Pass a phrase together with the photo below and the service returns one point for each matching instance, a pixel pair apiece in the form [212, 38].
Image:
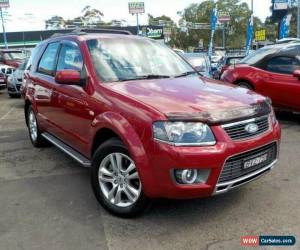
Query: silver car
[14, 81]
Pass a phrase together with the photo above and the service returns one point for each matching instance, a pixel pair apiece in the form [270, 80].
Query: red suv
[144, 121]
[12, 57]
[272, 71]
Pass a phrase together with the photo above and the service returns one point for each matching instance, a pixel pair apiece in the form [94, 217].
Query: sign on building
[223, 17]
[136, 7]
[280, 4]
[4, 3]
[155, 33]
[167, 31]
[260, 35]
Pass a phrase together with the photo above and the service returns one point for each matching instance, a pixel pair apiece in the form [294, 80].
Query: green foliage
[200, 13]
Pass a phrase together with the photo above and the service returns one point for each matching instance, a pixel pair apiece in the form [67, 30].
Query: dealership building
[29, 39]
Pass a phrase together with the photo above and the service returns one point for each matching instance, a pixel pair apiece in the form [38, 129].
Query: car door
[42, 81]
[280, 84]
[74, 115]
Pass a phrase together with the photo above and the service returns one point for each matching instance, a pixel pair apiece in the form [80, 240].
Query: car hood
[193, 98]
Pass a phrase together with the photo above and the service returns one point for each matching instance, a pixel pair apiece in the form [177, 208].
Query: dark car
[145, 121]
[12, 57]
[227, 61]
[272, 71]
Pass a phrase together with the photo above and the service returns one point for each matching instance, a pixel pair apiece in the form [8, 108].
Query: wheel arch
[236, 82]
[101, 136]
[112, 124]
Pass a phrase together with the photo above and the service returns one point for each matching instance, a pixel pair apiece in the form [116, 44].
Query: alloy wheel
[119, 180]
[32, 126]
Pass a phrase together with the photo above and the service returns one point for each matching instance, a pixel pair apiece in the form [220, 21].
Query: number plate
[255, 161]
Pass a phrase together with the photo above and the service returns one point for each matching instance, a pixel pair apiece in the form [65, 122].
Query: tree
[55, 22]
[91, 16]
[201, 13]
[161, 20]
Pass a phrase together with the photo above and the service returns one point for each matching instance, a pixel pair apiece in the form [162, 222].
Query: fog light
[191, 176]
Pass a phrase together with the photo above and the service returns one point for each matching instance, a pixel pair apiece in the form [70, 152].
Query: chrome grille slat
[233, 167]
[237, 131]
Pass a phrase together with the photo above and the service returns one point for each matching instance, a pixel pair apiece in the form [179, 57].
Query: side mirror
[296, 73]
[70, 77]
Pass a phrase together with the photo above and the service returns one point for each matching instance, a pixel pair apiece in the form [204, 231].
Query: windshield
[14, 56]
[128, 59]
[257, 56]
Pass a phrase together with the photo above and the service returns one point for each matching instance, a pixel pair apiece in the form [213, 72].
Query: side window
[282, 65]
[48, 61]
[32, 58]
[70, 57]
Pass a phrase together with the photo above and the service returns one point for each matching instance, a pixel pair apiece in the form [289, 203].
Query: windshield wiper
[187, 74]
[143, 77]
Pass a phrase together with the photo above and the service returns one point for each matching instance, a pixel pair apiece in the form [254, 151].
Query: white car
[5, 71]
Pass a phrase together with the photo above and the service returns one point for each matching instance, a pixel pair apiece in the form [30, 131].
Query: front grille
[18, 86]
[237, 131]
[234, 166]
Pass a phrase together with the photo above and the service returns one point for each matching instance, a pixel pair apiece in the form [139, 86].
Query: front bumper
[235, 183]
[2, 85]
[13, 88]
[166, 158]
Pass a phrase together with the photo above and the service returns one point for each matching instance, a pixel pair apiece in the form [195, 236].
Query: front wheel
[115, 180]
[245, 85]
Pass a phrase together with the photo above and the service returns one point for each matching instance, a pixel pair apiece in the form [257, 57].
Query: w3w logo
[252, 241]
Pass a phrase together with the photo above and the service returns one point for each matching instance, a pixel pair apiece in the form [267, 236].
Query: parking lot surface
[46, 201]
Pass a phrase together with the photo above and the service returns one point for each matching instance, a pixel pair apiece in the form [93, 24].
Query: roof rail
[84, 31]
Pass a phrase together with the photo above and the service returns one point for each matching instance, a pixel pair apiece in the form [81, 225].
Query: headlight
[184, 133]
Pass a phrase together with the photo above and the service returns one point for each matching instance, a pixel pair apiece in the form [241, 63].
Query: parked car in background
[145, 122]
[2, 81]
[200, 63]
[227, 61]
[288, 40]
[6, 71]
[15, 80]
[179, 51]
[12, 57]
[272, 71]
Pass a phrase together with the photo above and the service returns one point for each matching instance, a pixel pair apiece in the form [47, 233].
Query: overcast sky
[31, 14]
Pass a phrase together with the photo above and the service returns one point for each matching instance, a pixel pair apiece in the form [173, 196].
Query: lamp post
[298, 19]
[3, 27]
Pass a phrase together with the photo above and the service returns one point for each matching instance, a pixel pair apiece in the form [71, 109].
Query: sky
[31, 14]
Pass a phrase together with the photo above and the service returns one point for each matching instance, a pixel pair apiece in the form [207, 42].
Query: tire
[14, 95]
[115, 191]
[33, 128]
[245, 85]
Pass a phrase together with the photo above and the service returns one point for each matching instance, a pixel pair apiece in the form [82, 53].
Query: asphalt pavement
[46, 201]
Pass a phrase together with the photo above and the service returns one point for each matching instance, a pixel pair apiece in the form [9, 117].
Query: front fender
[130, 138]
